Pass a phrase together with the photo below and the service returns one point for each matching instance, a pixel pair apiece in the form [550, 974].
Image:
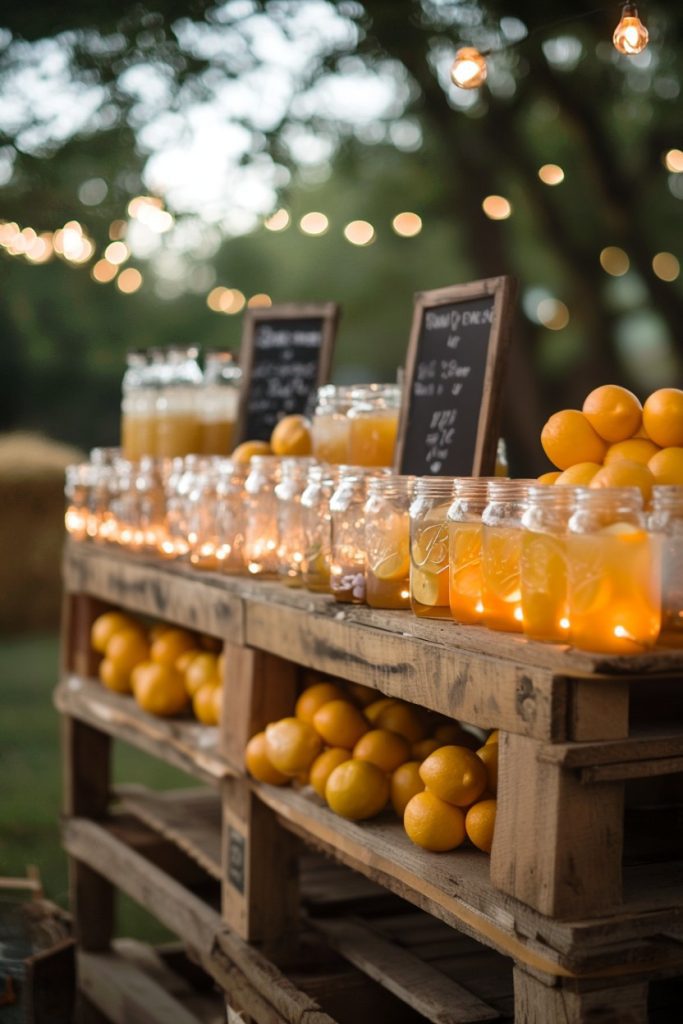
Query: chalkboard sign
[450, 415]
[285, 355]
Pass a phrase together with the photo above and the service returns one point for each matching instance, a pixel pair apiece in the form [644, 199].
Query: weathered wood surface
[539, 1003]
[184, 743]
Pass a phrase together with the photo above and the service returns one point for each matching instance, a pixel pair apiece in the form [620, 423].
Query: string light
[496, 207]
[278, 221]
[551, 174]
[553, 314]
[103, 272]
[407, 224]
[666, 266]
[259, 301]
[673, 161]
[630, 36]
[359, 232]
[129, 280]
[314, 223]
[468, 70]
[116, 252]
[614, 261]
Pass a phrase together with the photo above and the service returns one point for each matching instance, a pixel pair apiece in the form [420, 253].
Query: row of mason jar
[562, 564]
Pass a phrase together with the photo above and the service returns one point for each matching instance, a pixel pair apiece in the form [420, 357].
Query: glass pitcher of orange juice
[614, 572]
[501, 551]
[331, 426]
[387, 541]
[178, 430]
[429, 547]
[137, 408]
[545, 599]
[218, 402]
[373, 419]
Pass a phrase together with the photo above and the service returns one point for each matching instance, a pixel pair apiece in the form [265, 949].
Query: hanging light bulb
[630, 35]
[468, 70]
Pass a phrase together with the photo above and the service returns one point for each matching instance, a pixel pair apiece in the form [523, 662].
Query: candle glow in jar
[387, 541]
[321, 482]
[666, 521]
[545, 599]
[330, 427]
[290, 519]
[347, 519]
[465, 583]
[429, 547]
[261, 531]
[501, 554]
[373, 418]
[614, 572]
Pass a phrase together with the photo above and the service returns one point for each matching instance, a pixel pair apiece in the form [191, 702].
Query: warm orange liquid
[373, 438]
[387, 593]
[178, 434]
[331, 438]
[545, 605]
[502, 598]
[217, 436]
[138, 436]
[614, 591]
[429, 571]
[465, 583]
[388, 554]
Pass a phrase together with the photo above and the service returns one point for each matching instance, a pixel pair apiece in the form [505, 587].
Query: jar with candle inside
[79, 481]
[330, 427]
[387, 541]
[373, 427]
[501, 554]
[150, 505]
[179, 483]
[290, 518]
[230, 516]
[347, 519]
[219, 400]
[465, 581]
[315, 505]
[614, 572]
[203, 518]
[543, 576]
[666, 523]
[261, 539]
[429, 547]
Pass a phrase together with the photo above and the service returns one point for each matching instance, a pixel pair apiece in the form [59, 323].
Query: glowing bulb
[551, 174]
[359, 232]
[278, 221]
[630, 35]
[407, 224]
[564, 623]
[259, 301]
[621, 632]
[468, 70]
[479, 607]
[496, 207]
[314, 223]
[518, 614]
[673, 161]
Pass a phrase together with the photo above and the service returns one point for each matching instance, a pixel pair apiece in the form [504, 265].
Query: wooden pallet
[586, 919]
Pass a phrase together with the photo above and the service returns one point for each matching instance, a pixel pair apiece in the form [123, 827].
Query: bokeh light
[259, 301]
[553, 314]
[314, 223]
[551, 174]
[614, 261]
[407, 224]
[359, 232]
[468, 70]
[103, 272]
[278, 221]
[117, 252]
[496, 207]
[129, 280]
[673, 161]
[666, 266]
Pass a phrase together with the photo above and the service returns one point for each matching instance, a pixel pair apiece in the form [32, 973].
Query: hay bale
[31, 529]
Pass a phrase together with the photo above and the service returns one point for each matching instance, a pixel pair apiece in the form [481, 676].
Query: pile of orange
[167, 670]
[291, 436]
[615, 442]
[361, 751]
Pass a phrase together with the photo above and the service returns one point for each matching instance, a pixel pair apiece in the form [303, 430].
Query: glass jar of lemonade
[315, 505]
[614, 572]
[331, 426]
[347, 518]
[261, 530]
[387, 541]
[178, 429]
[429, 547]
[666, 521]
[219, 400]
[202, 502]
[290, 519]
[137, 407]
[373, 419]
[465, 586]
[230, 516]
[501, 551]
[545, 601]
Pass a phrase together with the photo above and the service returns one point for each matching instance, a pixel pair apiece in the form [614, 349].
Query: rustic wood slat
[656, 744]
[539, 1003]
[631, 770]
[183, 743]
[427, 990]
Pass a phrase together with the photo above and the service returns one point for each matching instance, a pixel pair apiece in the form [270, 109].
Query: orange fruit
[663, 417]
[204, 704]
[357, 790]
[624, 473]
[667, 466]
[104, 627]
[449, 733]
[202, 669]
[160, 689]
[568, 438]
[480, 823]
[246, 451]
[405, 783]
[455, 774]
[371, 711]
[292, 745]
[292, 436]
[324, 765]
[127, 648]
[403, 719]
[114, 676]
[362, 695]
[386, 749]
[489, 755]
[340, 723]
[493, 736]
[638, 449]
[423, 748]
[548, 478]
[218, 703]
[258, 764]
[314, 697]
[158, 630]
[579, 475]
[614, 412]
[433, 824]
[167, 648]
[183, 662]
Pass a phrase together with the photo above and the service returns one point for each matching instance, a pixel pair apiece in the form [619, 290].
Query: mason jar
[387, 541]
[177, 424]
[330, 426]
[261, 530]
[545, 598]
[347, 518]
[465, 582]
[429, 547]
[78, 483]
[219, 401]
[666, 522]
[290, 519]
[614, 572]
[230, 516]
[315, 505]
[373, 420]
[202, 503]
[501, 554]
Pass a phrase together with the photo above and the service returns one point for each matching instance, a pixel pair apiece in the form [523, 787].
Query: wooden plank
[539, 1003]
[427, 990]
[478, 689]
[558, 844]
[186, 744]
[632, 770]
[598, 709]
[655, 744]
[139, 585]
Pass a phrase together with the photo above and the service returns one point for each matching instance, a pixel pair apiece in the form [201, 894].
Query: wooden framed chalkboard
[285, 354]
[450, 414]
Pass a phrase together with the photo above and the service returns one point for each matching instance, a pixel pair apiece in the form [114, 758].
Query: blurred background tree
[229, 111]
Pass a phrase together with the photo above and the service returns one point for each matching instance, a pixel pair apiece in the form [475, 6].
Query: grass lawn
[30, 783]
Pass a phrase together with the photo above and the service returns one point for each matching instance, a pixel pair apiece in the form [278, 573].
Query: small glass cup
[387, 541]
[501, 554]
[666, 521]
[290, 519]
[261, 530]
[543, 566]
[429, 547]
